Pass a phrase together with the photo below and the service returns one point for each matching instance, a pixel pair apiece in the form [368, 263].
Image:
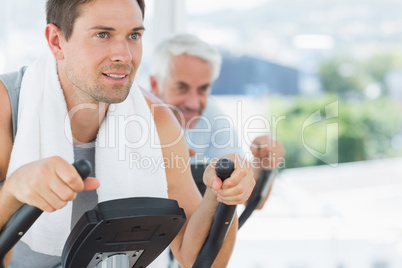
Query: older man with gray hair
[183, 71]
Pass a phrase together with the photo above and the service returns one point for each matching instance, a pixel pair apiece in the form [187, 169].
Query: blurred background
[327, 76]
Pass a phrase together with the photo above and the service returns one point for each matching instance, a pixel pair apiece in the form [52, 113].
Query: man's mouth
[190, 114]
[116, 76]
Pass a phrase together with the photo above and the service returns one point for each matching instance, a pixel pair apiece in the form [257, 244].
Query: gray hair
[183, 44]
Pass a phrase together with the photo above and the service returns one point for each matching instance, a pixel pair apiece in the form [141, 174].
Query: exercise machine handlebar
[25, 217]
[260, 191]
[221, 222]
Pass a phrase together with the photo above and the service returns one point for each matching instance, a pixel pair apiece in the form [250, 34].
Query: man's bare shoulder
[163, 116]
[169, 130]
[5, 106]
[157, 106]
[6, 131]
[151, 98]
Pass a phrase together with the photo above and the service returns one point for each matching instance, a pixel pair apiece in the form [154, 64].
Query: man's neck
[86, 120]
[86, 115]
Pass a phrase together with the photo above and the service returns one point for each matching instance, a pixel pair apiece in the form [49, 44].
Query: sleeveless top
[85, 200]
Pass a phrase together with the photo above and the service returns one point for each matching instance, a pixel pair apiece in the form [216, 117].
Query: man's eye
[101, 35]
[134, 36]
[204, 89]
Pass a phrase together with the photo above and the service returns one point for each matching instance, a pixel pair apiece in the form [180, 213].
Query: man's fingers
[91, 183]
[237, 176]
[63, 192]
[191, 152]
[50, 200]
[262, 152]
[43, 205]
[237, 188]
[216, 184]
[69, 175]
[232, 199]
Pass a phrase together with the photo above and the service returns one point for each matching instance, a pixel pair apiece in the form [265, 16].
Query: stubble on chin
[116, 94]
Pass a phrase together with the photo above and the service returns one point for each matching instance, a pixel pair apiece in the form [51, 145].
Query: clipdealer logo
[330, 153]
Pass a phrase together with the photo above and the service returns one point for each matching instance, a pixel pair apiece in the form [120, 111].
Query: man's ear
[154, 86]
[54, 37]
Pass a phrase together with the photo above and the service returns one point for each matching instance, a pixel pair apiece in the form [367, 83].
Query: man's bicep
[6, 131]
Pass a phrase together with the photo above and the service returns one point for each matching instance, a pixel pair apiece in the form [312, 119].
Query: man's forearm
[198, 230]
[8, 206]
[226, 251]
[7, 210]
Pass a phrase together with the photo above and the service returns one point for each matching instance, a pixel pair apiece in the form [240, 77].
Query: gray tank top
[23, 256]
[12, 82]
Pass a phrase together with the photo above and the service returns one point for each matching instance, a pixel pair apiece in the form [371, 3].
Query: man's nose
[192, 100]
[120, 52]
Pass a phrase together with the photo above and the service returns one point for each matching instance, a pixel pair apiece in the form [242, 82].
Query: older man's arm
[268, 154]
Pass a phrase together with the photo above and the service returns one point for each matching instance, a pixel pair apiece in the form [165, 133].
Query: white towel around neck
[128, 155]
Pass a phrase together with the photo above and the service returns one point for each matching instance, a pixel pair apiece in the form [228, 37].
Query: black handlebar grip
[221, 223]
[25, 217]
[260, 191]
[224, 168]
[83, 168]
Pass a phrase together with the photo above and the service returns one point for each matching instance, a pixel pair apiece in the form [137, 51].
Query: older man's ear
[154, 86]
